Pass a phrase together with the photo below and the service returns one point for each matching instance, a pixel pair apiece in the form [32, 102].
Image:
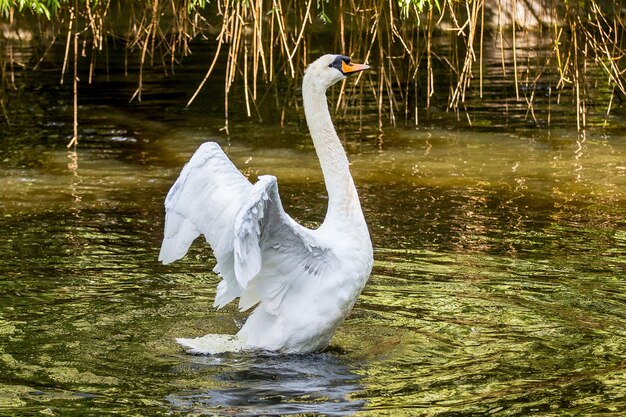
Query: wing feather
[205, 200]
[272, 252]
[261, 252]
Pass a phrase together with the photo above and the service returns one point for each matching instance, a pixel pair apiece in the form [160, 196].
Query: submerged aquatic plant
[564, 48]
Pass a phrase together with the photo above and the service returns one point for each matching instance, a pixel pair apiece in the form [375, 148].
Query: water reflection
[267, 384]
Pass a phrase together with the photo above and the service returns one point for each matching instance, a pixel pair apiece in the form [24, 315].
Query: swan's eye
[339, 62]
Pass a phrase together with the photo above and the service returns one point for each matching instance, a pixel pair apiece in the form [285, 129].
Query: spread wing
[271, 251]
[205, 199]
[261, 252]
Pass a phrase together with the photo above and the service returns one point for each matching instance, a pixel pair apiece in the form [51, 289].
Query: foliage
[41, 7]
[418, 5]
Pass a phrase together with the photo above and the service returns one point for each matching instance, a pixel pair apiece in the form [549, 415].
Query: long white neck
[343, 200]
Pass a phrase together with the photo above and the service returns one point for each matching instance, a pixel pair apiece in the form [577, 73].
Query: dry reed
[259, 41]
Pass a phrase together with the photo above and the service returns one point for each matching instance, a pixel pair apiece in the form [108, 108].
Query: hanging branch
[74, 18]
[151, 33]
[269, 41]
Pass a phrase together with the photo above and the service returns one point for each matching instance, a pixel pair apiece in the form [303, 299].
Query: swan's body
[304, 281]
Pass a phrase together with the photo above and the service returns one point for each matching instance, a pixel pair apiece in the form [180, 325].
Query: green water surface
[499, 284]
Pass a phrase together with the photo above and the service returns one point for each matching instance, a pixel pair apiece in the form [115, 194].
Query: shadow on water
[266, 384]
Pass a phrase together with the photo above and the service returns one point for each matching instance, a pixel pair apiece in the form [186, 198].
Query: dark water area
[499, 284]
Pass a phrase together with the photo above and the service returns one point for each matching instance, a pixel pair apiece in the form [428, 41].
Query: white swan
[304, 281]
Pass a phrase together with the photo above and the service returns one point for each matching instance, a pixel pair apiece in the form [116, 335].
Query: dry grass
[260, 40]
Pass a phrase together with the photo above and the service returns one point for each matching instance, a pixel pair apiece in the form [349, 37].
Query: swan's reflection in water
[265, 384]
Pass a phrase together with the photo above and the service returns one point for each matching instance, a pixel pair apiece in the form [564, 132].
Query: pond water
[499, 284]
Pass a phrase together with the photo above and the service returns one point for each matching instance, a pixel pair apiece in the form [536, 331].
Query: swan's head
[330, 69]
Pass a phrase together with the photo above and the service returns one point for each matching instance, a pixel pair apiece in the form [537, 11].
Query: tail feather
[212, 344]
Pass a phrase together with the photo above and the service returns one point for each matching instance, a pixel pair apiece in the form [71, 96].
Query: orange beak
[349, 69]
